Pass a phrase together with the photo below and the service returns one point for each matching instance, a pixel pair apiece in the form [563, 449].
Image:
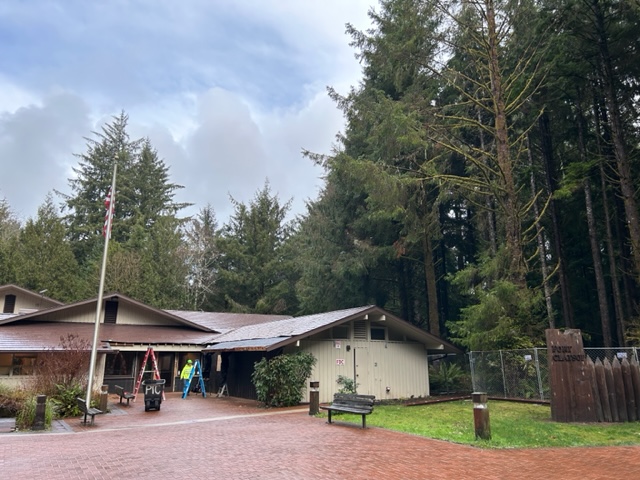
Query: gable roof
[11, 289]
[41, 315]
[220, 331]
[273, 335]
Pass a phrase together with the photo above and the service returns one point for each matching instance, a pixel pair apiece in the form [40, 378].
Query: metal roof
[39, 336]
[224, 322]
[290, 327]
[272, 335]
[221, 331]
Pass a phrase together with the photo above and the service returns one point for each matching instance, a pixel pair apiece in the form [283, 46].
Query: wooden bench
[122, 394]
[92, 412]
[351, 403]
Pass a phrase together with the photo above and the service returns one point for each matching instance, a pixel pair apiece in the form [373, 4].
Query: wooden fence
[616, 389]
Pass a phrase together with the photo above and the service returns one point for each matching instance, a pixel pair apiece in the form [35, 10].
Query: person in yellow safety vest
[184, 376]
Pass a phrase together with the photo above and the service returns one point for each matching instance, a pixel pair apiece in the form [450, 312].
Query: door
[165, 365]
[361, 369]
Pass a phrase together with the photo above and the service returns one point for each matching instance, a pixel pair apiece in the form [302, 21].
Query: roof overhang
[254, 345]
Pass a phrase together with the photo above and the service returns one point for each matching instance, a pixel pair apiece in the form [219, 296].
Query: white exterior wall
[27, 302]
[127, 315]
[133, 315]
[84, 314]
[401, 366]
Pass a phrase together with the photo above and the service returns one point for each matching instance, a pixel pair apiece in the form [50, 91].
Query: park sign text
[565, 353]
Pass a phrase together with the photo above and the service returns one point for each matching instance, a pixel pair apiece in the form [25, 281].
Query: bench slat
[348, 409]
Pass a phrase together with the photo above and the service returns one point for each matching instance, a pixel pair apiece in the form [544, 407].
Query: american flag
[109, 204]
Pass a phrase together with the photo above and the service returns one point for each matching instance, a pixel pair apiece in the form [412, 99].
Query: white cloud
[36, 146]
[228, 92]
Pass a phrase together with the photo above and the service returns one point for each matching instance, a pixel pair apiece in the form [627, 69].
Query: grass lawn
[512, 425]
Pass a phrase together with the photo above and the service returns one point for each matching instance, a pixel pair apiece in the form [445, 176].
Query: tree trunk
[597, 267]
[541, 244]
[490, 219]
[613, 270]
[513, 228]
[593, 236]
[563, 280]
[624, 165]
[432, 291]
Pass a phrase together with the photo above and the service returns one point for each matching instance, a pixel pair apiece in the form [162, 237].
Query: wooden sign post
[571, 378]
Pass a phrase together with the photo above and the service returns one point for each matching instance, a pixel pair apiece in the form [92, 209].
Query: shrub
[279, 382]
[66, 365]
[347, 384]
[447, 377]
[65, 400]
[11, 399]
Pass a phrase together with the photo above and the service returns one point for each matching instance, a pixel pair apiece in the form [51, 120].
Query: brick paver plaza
[228, 438]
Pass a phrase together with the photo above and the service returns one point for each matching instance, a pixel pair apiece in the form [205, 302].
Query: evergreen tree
[44, 258]
[146, 235]
[9, 233]
[255, 272]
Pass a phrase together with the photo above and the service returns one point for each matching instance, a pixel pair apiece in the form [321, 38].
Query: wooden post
[629, 393]
[481, 416]
[104, 398]
[621, 398]
[314, 398]
[41, 406]
[635, 377]
[601, 381]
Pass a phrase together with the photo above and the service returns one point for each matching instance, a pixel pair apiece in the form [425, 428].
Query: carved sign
[571, 380]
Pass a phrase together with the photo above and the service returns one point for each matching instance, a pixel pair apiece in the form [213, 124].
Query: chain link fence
[524, 374]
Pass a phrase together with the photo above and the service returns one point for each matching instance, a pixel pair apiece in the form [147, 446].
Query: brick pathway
[233, 439]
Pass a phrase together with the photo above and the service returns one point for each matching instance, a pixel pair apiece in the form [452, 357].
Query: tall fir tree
[255, 269]
[44, 258]
[146, 227]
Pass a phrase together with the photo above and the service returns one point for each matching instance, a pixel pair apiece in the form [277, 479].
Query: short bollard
[104, 398]
[314, 398]
[481, 416]
[41, 407]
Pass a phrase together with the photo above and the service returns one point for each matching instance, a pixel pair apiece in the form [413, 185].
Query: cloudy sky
[229, 92]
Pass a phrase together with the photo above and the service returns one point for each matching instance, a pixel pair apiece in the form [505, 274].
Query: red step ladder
[143, 365]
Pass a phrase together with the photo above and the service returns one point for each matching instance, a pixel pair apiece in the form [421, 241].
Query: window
[23, 363]
[340, 332]
[119, 364]
[378, 333]
[5, 363]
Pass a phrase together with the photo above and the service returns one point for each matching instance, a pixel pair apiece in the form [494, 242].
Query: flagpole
[94, 345]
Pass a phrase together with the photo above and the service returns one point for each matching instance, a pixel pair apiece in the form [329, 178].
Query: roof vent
[360, 330]
[110, 311]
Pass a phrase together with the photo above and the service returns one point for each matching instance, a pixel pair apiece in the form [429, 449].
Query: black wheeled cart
[153, 390]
